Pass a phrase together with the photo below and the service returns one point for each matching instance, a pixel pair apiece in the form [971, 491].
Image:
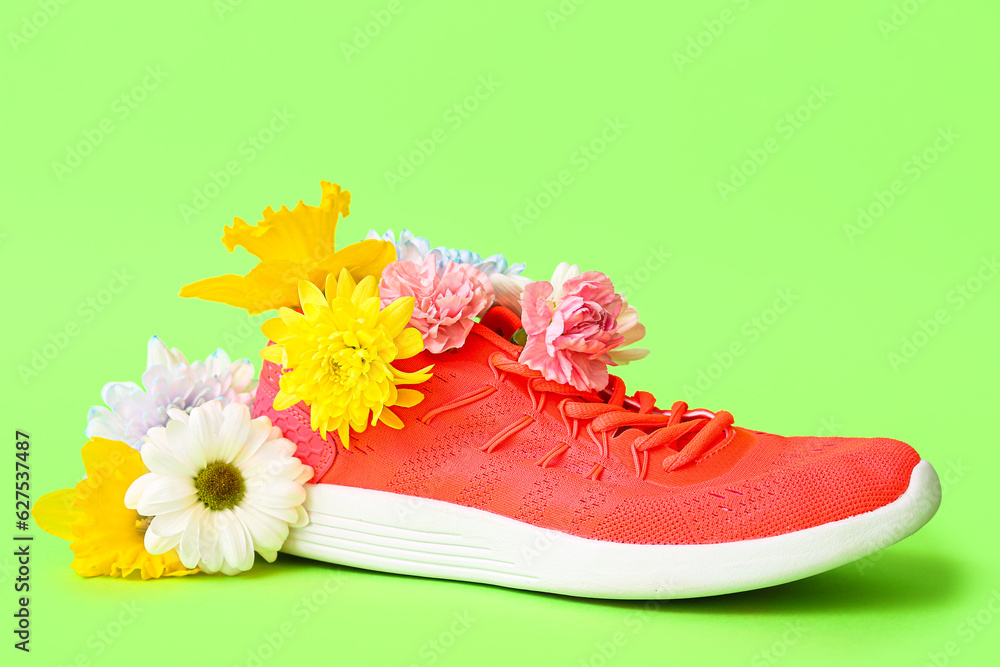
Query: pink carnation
[570, 335]
[447, 298]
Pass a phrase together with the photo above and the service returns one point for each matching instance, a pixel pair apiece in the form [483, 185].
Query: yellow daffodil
[106, 537]
[292, 245]
[339, 352]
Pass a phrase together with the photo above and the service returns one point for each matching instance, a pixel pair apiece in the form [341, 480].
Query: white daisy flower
[220, 486]
[170, 382]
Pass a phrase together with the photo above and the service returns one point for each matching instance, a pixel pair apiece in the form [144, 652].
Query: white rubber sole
[389, 532]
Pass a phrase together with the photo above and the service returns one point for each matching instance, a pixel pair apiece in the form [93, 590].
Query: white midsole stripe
[390, 532]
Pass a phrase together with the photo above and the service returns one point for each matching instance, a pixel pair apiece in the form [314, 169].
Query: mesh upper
[756, 486]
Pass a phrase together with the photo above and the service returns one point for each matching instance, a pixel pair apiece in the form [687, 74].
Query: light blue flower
[170, 381]
[416, 248]
[408, 247]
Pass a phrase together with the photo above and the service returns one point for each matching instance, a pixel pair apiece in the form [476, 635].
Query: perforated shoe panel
[758, 485]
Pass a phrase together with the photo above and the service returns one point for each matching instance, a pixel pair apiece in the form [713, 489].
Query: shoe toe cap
[815, 481]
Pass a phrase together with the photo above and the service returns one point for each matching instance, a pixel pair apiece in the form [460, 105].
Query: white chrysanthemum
[508, 289]
[220, 486]
[170, 382]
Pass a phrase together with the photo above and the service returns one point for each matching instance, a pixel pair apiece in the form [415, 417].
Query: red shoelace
[607, 412]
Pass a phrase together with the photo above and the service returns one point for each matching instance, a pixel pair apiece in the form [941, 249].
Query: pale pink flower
[509, 289]
[447, 298]
[571, 330]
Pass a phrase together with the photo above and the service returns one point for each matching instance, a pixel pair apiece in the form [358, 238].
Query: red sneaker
[502, 477]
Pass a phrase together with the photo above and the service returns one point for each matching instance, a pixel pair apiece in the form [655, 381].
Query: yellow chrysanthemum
[339, 351]
[106, 537]
[292, 245]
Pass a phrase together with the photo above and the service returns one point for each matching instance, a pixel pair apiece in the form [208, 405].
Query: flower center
[350, 364]
[220, 486]
[340, 369]
[143, 523]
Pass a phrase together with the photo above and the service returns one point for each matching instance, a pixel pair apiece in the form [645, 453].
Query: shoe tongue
[502, 321]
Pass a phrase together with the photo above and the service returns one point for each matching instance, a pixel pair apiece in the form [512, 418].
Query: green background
[831, 104]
